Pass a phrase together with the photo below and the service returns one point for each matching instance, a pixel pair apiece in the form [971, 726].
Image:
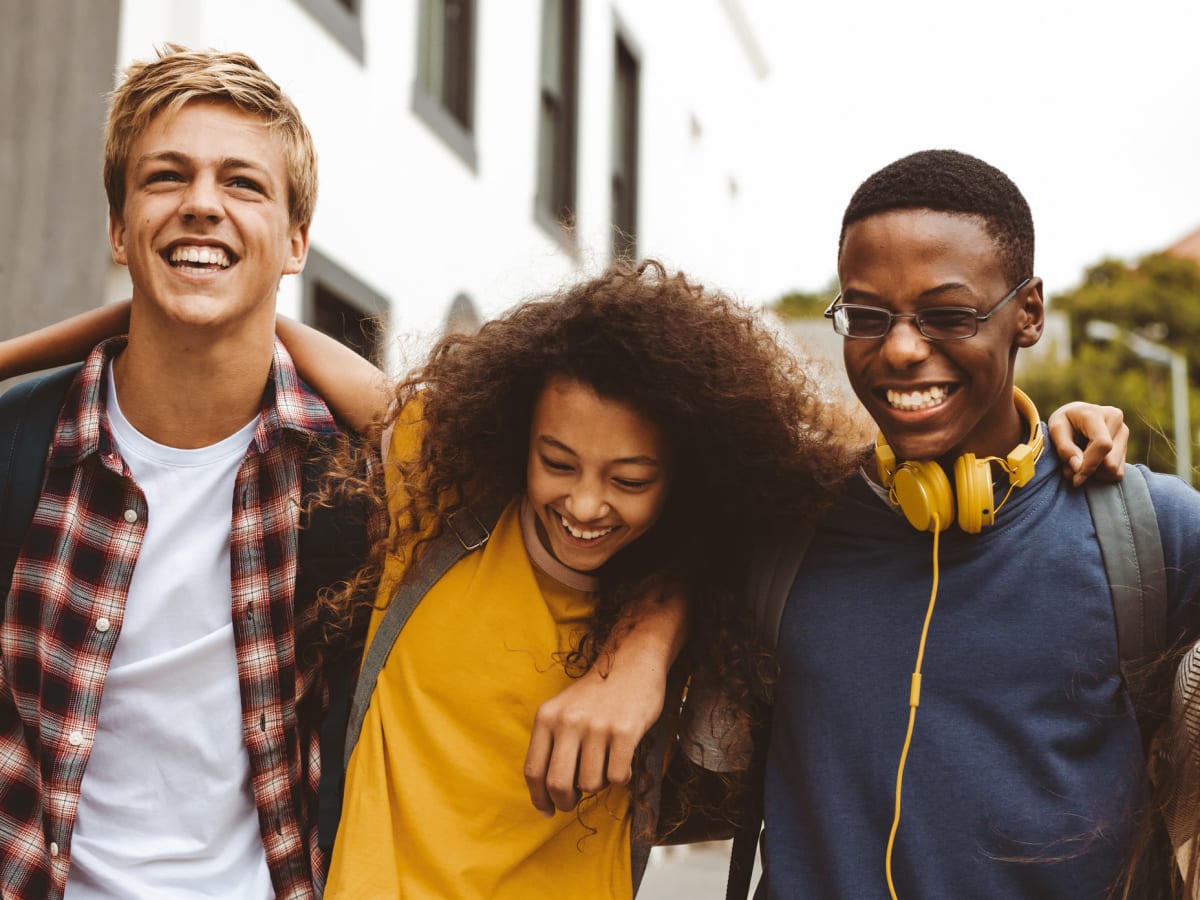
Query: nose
[904, 346]
[586, 502]
[202, 200]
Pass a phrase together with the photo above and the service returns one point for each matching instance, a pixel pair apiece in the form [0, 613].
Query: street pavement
[687, 872]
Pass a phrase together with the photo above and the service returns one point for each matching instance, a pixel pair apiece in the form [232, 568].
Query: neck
[190, 390]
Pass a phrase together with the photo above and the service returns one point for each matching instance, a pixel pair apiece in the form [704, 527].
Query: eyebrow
[855, 294]
[182, 159]
[625, 460]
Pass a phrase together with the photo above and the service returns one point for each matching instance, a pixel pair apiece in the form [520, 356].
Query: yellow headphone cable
[914, 700]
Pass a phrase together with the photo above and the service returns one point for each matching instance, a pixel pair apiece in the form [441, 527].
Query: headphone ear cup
[923, 492]
[973, 488]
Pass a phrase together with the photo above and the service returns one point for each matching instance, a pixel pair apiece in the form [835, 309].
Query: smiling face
[597, 474]
[205, 230]
[936, 398]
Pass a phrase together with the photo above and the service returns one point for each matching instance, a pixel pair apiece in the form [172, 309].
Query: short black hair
[953, 182]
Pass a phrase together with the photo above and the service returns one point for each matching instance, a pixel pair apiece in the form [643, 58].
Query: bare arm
[1104, 430]
[584, 739]
[63, 342]
[358, 392]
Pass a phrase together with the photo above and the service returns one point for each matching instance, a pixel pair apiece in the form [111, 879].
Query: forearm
[63, 342]
[650, 634]
[358, 392]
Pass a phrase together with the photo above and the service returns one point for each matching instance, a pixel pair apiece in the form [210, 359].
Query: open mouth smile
[198, 259]
[582, 534]
[917, 400]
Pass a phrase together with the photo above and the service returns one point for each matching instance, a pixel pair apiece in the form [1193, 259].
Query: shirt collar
[288, 405]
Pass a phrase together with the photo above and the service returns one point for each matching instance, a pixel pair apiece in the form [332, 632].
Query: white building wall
[407, 217]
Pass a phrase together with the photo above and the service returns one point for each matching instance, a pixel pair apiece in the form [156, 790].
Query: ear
[1031, 316]
[297, 250]
[116, 238]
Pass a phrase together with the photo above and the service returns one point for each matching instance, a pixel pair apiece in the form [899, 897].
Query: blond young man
[160, 568]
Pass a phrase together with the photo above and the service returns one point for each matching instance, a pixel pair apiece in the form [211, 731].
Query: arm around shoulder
[358, 392]
[63, 342]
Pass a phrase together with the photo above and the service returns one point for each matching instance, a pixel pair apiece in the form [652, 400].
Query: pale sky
[1092, 108]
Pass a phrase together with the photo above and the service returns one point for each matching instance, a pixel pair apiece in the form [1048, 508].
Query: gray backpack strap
[773, 568]
[1130, 544]
[463, 532]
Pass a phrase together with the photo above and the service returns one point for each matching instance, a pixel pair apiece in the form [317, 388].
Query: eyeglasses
[937, 323]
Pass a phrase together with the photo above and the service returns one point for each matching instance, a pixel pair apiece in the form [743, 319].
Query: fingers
[561, 773]
[569, 756]
[537, 762]
[621, 748]
[1102, 431]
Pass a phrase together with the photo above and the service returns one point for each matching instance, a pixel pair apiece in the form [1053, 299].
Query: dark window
[342, 19]
[343, 307]
[625, 151]
[559, 95]
[339, 318]
[444, 94]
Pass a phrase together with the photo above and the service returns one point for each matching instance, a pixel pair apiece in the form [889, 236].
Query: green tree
[1159, 299]
[804, 304]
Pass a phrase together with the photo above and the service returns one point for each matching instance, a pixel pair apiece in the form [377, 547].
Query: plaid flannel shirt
[63, 617]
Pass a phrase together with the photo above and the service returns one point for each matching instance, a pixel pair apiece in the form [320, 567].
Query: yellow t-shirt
[436, 804]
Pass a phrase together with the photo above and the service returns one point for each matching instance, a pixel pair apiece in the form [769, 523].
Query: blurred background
[476, 152]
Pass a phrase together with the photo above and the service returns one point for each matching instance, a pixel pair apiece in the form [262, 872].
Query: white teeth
[914, 400]
[585, 535]
[205, 256]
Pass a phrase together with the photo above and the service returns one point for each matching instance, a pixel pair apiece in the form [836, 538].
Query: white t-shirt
[166, 808]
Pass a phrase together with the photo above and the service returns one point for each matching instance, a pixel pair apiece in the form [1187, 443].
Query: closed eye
[163, 175]
[555, 466]
[248, 184]
[632, 484]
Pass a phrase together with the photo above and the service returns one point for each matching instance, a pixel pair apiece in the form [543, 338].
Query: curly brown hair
[753, 444]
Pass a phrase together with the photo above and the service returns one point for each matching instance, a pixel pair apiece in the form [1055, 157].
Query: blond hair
[179, 76]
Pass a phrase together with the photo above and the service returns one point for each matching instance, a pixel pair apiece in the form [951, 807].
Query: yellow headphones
[922, 491]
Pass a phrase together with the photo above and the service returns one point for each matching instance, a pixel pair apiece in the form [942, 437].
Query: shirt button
[75, 738]
[131, 516]
[102, 624]
[53, 849]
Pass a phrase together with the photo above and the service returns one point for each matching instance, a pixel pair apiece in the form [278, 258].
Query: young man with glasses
[1022, 774]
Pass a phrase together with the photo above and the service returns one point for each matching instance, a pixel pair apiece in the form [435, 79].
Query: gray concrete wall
[56, 65]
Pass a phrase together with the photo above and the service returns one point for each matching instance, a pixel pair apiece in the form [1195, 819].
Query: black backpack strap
[1130, 544]
[332, 544]
[773, 570]
[28, 414]
[645, 816]
[749, 827]
[464, 531]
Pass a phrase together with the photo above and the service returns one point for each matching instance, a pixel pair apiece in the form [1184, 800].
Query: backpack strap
[645, 815]
[463, 532]
[1130, 544]
[28, 414]
[332, 543]
[773, 569]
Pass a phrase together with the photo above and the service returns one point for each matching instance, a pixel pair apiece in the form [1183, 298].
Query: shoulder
[1176, 503]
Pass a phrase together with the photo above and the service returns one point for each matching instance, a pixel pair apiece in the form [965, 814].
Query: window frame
[343, 20]
[429, 102]
[321, 271]
[557, 154]
[625, 146]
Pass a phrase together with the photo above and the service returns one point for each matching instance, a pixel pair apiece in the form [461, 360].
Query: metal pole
[1099, 330]
[1183, 428]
